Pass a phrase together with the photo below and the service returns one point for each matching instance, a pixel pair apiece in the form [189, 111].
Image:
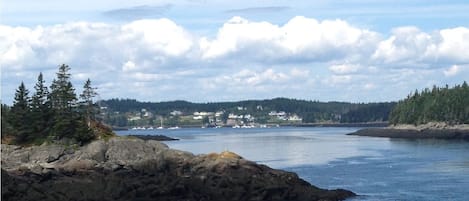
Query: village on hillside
[240, 118]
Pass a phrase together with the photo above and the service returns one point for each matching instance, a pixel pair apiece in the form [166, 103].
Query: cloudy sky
[214, 50]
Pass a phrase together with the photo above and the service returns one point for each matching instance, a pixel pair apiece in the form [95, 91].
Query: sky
[214, 50]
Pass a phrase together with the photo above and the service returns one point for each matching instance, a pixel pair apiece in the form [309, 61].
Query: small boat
[172, 128]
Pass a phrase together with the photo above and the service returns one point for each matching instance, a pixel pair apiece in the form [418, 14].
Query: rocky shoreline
[135, 169]
[406, 133]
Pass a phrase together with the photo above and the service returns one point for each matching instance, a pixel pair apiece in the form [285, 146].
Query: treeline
[51, 113]
[439, 104]
[310, 111]
[372, 112]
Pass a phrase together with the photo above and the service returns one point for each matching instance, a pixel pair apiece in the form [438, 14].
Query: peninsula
[439, 113]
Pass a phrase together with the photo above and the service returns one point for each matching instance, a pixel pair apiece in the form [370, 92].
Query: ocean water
[374, 168]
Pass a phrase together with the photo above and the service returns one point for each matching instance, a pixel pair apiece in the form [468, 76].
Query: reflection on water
[377, 168]
[277, 147]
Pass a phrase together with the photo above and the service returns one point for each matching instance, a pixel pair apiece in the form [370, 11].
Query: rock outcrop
[134, 169]
[430, 133]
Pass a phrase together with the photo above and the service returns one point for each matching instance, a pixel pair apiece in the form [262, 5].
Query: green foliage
[7, 129]
[373, 112]
[40, 108]
[62, 95]
[310, 111]
[20, 115]
[54, 115]
[63, 101]
[450, 105]
[87, 101]
[83, 133]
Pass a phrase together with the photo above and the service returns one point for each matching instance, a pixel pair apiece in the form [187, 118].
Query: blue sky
[202, 50]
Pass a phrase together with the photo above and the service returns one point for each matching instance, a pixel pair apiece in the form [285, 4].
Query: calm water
[375, 168]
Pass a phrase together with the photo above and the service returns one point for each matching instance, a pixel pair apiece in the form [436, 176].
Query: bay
[374, 168]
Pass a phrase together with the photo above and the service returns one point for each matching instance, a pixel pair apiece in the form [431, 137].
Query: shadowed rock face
[132, 169]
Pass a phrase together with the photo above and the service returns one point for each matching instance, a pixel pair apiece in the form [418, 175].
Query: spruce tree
[20, 115]
[63, 102]
[40, 108]
[87, 101]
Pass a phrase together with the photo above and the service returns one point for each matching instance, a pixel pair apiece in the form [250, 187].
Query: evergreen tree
[87, 101]
[20, 115]
[63, 102]
[40, 108]
[450, 105]
[6, 126]
[63, 97]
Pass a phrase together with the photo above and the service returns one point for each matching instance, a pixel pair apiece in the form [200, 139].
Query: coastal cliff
[135, 169]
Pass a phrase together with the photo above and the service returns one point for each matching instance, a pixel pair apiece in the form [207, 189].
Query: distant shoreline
[428, 133]
[357, 125]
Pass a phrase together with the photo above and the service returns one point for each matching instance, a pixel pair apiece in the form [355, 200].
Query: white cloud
[247, 77]
[453, 70]
[129, 66]
[406, 43]
[159, 36]
[147, 77]
[298, 58]
[409, 45]
[454, 45]
[300, 38]
[17, 46]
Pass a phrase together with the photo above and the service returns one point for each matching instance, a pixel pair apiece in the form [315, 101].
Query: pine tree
[20, 115]
[40, 108]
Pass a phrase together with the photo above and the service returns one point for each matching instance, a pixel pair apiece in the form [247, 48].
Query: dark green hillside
[309, 111]
[445, 104]
[373, 112]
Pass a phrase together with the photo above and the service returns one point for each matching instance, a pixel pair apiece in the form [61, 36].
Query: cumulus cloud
[454, 45]
[161, 36]
[300, 39]
[252, 57]
[409, 45]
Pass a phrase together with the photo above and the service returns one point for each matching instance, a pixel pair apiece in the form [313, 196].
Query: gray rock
[134, 169]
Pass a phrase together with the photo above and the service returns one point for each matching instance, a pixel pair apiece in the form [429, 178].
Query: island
[439, 113]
